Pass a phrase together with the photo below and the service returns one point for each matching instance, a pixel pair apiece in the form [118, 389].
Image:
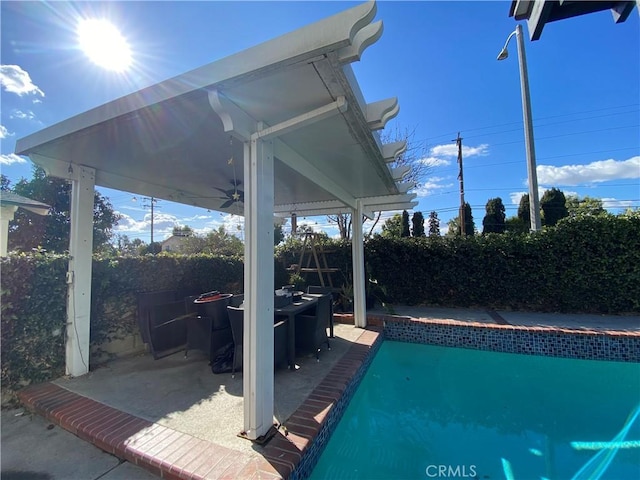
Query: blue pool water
[424, 412]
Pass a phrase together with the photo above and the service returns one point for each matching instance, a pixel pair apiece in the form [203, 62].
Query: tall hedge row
[585, 264]
[33, 319]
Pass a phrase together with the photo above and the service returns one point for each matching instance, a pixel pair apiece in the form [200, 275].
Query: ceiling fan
[232, 195]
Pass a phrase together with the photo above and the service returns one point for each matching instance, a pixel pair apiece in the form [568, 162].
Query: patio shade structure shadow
[284, 121]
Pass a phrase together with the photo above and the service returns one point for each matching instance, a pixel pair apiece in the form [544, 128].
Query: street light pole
[534, 201]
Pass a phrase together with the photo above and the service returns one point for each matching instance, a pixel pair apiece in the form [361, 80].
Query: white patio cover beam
[79, 272]
[326, 111]
[357, 254]
[332, 207]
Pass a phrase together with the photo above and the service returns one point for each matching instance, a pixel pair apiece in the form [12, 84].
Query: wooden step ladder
[318, 255]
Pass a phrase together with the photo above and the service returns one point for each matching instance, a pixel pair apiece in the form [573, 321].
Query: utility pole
[460, 177]
[152, 201]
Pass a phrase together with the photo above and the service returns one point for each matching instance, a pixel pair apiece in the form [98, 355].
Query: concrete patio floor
[182, 394]
[177, 420]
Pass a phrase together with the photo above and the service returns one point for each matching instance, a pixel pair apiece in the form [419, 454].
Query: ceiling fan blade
[227, 204]
[227, 192]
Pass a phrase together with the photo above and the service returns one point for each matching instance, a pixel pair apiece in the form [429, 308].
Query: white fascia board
[328, 35]
[297, 162]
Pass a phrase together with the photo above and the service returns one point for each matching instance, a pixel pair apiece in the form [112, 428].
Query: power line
[535, 119]
[570, 134]
[548, 124]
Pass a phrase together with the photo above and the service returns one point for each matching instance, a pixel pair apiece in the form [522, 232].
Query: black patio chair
[335, 298]
[237, 300]
[236, 318]
[311, 330]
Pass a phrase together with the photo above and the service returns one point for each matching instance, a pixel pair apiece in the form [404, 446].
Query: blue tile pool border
[545, 341]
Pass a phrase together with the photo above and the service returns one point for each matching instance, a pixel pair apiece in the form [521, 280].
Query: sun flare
[104, 44]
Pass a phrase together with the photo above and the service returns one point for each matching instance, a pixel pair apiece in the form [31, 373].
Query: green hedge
[33, 319]
[585, 264]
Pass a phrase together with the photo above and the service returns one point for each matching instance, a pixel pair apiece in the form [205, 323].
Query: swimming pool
[426, 411]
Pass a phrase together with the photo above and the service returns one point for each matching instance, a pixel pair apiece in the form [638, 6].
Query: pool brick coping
[296, 447]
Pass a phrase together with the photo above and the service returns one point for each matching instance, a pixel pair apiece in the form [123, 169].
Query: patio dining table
[307, 302]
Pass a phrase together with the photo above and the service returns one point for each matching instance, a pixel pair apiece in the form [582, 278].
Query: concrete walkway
[573, 321]
[35, 449]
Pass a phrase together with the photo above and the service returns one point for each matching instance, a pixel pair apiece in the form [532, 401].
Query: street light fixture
[534, 202]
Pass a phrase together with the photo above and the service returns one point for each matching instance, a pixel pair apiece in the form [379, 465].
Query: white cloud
[4, 133]
[196, 217]
[612, 203]
[15, 80]
[233, 224]
[442, 155]
[516, 197]
[451, 150]
[435, 162]
[162, 225]
[10, 159]
[594, 172]
[20, 115]
[431, 185]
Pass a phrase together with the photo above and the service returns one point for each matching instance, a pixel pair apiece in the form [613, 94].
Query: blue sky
[439, 58]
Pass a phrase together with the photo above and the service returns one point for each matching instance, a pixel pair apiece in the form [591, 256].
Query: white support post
[6, 215]
[258, 369]
[79, 273]
[357, 253]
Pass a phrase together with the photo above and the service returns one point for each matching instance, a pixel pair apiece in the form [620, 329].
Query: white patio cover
[303, 140]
